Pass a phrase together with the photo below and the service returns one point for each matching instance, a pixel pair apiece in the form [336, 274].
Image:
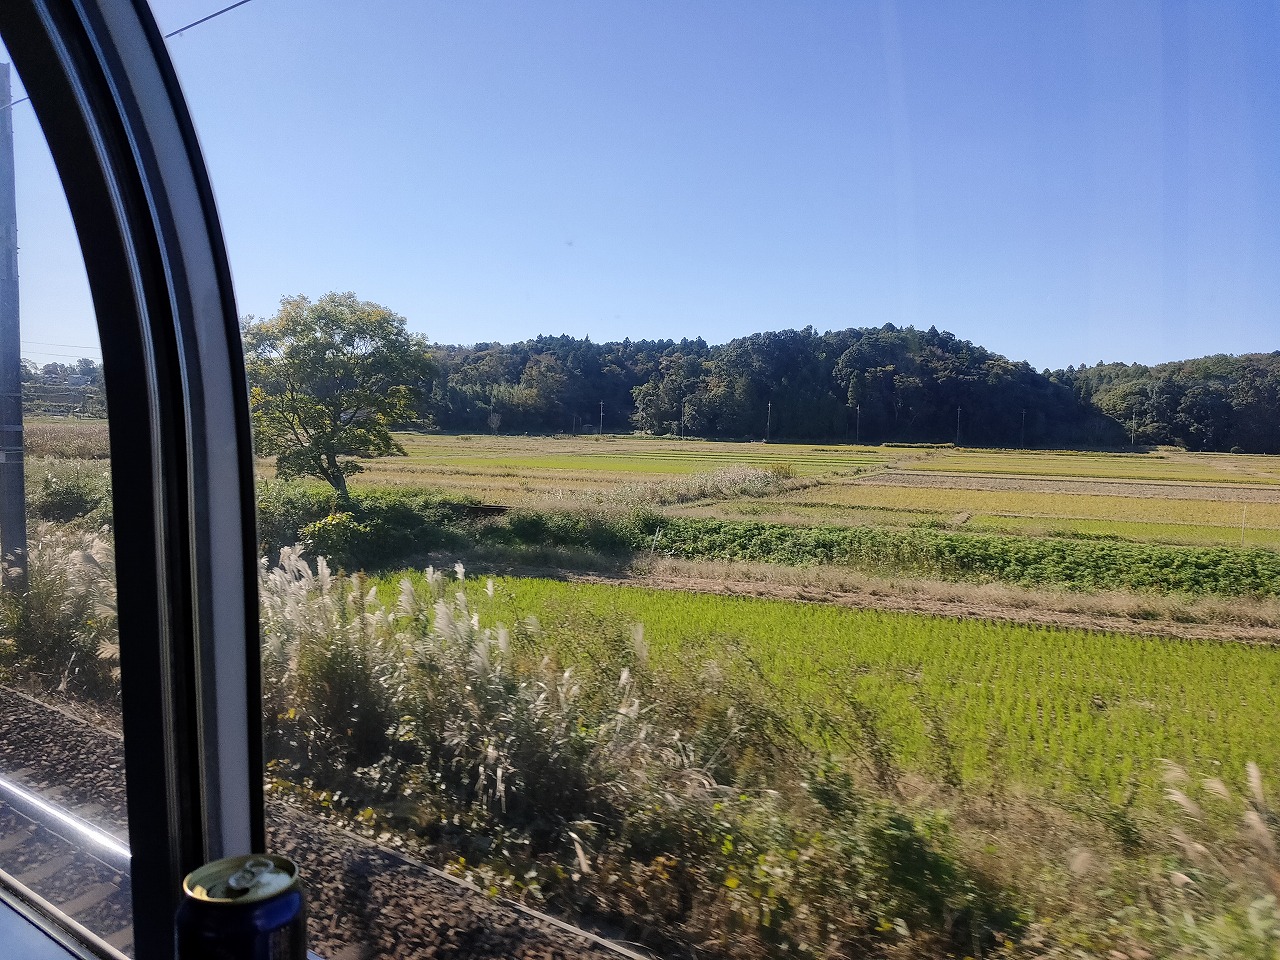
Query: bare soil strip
[964, 610]
[1165, 489]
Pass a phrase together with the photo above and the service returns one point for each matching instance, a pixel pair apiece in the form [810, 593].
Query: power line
[69, 356]
[172, 33]
[69, 346]
[196, 23]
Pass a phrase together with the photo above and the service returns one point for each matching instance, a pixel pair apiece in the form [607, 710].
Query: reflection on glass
[63, 829]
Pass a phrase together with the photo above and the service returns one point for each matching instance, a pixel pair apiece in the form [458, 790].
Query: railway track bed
[365, 902]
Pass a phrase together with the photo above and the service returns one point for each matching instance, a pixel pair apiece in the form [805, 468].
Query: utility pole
[857, 437]
[13, 508]
[1024, 428]
[600, 433]
[1133, 431]
[957, 426]
[768, 423]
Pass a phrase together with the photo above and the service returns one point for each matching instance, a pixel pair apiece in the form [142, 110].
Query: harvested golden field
[1161, 465]
[1166, 497]
[521, 470]
[1220, 506]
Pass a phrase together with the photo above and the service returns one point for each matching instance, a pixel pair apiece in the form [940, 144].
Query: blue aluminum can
[243, 908]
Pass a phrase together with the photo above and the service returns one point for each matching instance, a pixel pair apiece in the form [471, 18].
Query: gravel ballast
[365, 902]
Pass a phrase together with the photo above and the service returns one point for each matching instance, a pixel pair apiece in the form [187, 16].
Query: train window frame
[109, 103]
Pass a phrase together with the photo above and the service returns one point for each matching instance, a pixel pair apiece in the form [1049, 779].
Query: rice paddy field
[519, 470]
[1165, 496]
[1040, 743]
[1210, 468]
[1066, 712]
[1193, 514]
[1063, 711]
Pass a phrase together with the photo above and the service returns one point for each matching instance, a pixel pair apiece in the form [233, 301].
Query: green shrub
[599, 530]
[377, 529]
[285, 508]
[66, 490]
[339, 537]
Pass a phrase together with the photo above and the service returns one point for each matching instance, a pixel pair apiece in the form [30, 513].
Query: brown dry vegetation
[67, 439]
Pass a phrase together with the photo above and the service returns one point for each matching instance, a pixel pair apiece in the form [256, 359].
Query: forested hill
[1212, 403]
[875, 384]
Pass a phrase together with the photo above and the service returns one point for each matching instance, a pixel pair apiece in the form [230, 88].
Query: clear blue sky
[1062, 182]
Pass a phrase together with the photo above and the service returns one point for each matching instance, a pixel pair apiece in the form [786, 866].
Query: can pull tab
[246, 878]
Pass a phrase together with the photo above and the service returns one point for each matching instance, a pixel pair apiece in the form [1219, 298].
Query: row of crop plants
[1055, 709]
[1049, 561]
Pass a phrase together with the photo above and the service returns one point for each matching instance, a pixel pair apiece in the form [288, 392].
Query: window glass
[63, 830]
[762, 480]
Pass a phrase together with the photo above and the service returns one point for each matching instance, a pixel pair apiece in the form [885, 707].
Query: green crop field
[629, 454]
[1046, 708]
[802, 513]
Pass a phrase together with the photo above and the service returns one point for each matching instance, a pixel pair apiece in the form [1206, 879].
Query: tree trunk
[337, 479]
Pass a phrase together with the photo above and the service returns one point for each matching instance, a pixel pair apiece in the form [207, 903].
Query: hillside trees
[907, 383]
[675, 399]
[328, 380]
[1211, 403]
[885, 384]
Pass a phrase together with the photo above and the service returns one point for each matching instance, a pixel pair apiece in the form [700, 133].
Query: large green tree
[328, 380]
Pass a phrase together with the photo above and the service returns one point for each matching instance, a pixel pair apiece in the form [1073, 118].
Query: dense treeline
[874, 385]
[1212, 403]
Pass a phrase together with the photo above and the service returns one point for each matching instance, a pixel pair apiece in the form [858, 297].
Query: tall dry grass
[62, 633]
[1226, 878]
[724, 484]
[581, 793]
[67, 439]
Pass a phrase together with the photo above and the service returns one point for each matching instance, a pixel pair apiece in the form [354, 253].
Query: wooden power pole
[13, 509]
